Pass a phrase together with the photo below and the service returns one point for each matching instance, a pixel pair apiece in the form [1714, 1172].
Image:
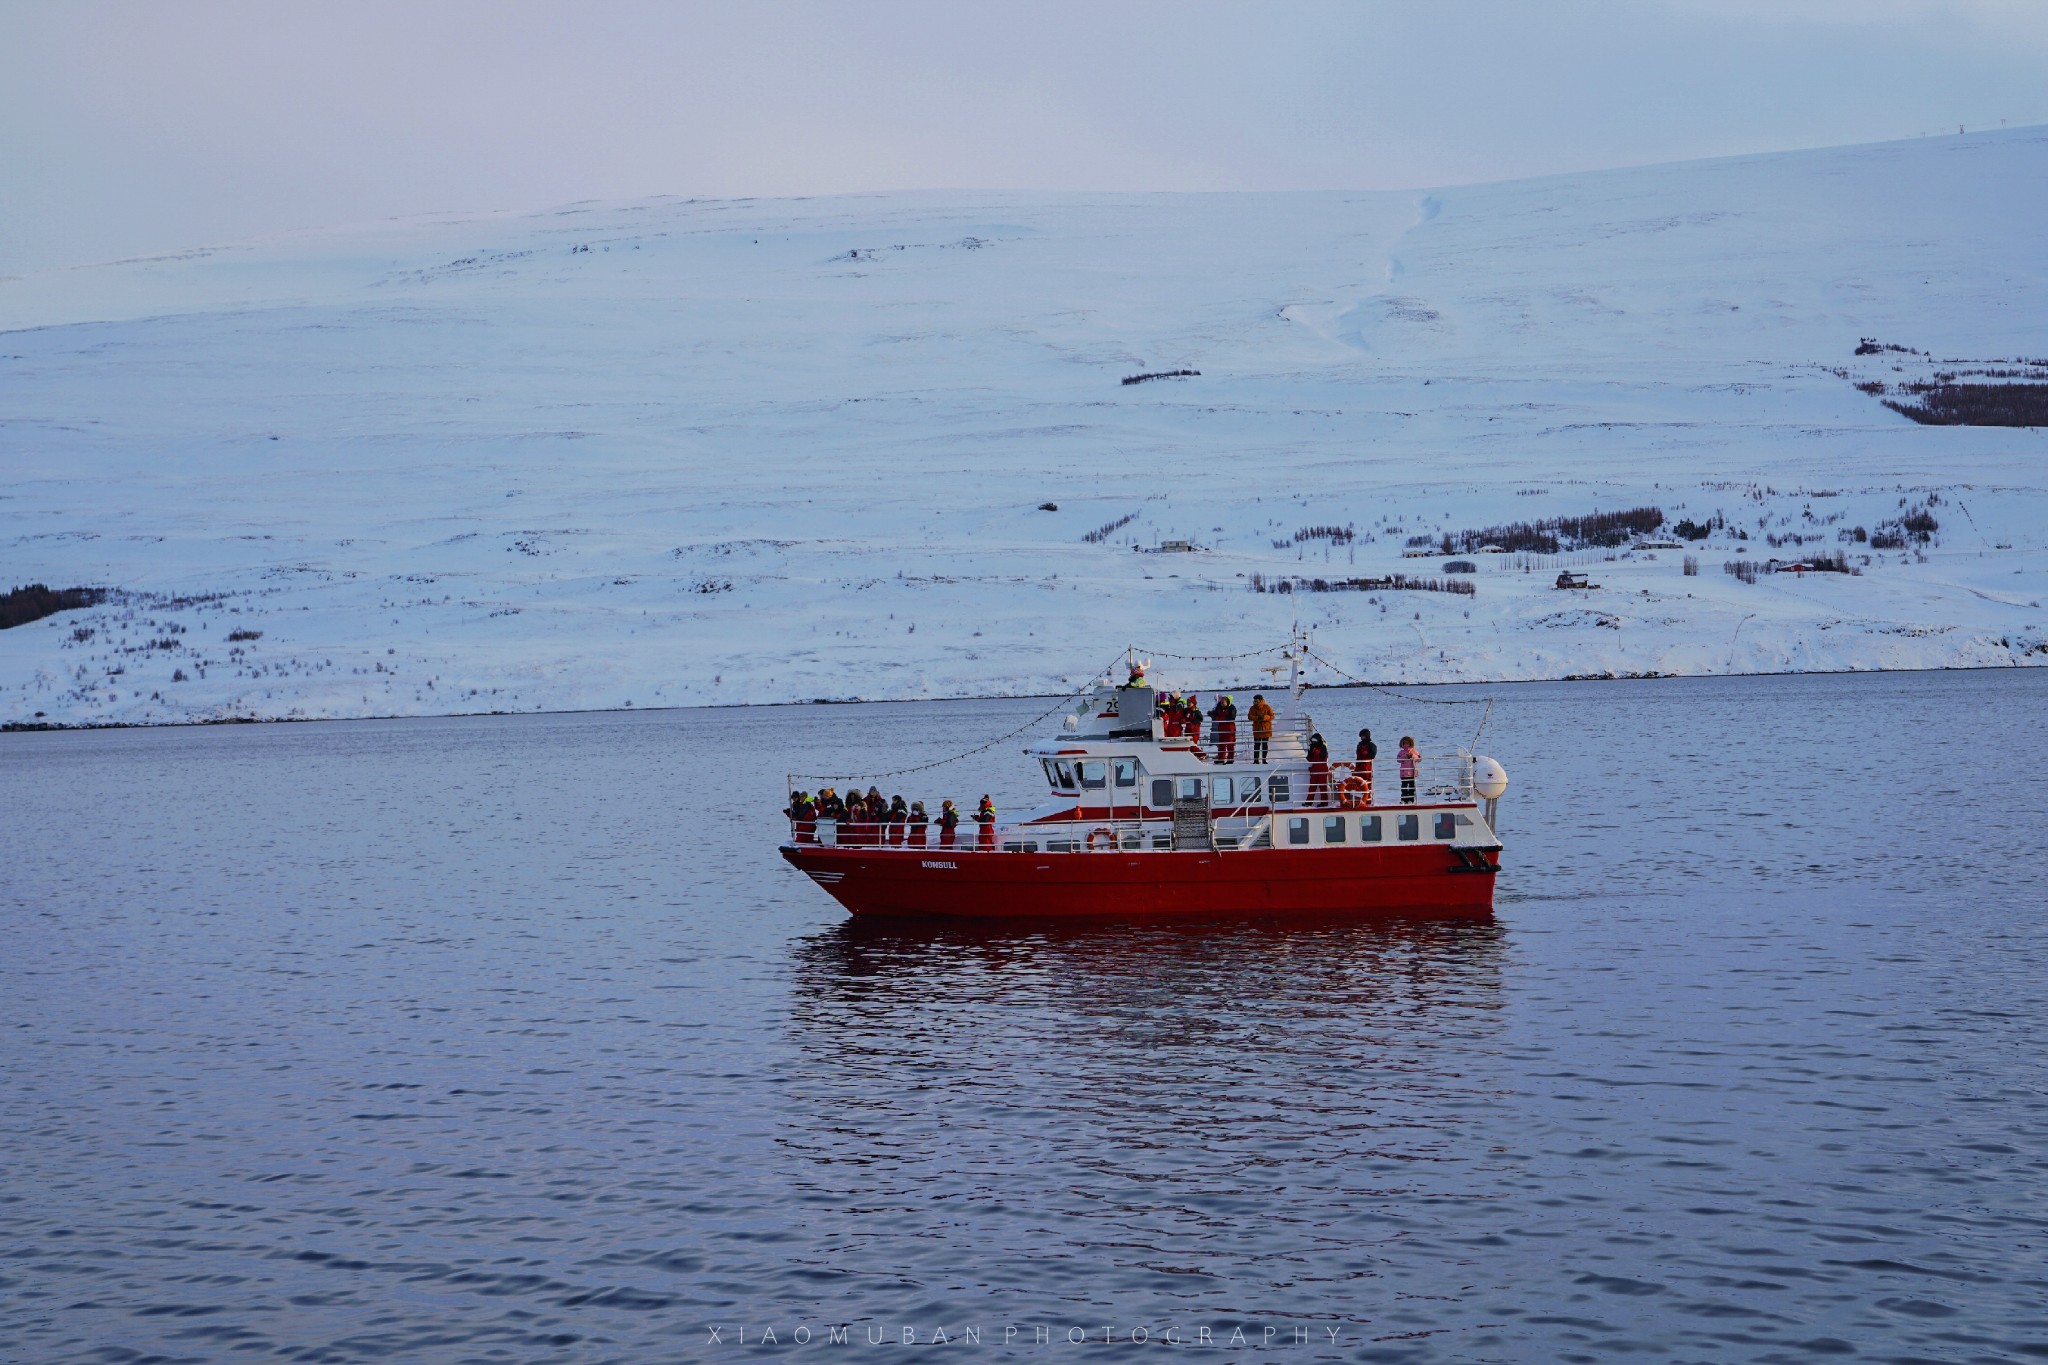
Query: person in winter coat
[1225, 716]
[1318, 771]
[1191, 717]
[899, 820]
[985, 816]
[919, 824]
[1409, 757]
[1367, 752]
[949, 821]
[1170, 715]
[1261, 717]
[803, 818]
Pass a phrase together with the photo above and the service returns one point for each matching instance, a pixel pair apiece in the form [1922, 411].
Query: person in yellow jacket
[1261, 717]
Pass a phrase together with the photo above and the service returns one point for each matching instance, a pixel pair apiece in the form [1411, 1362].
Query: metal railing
[1242, 823]
[1288, 743]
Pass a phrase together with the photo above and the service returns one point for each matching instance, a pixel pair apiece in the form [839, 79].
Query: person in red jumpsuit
[1318, 771]
[985, 816]
[1225, 716]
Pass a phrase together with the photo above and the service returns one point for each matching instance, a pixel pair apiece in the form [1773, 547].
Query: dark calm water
[512, 1040]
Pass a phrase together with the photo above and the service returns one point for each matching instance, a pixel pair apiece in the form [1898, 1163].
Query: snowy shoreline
[45, 726]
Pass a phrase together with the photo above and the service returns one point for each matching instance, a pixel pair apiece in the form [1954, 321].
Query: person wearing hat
[949, 821]
[1261, 717]
[985, 816]
[803, 817]
[919, 823]
[1367, 752]
[1225, 716]
[1411, 760]
[1318, 770]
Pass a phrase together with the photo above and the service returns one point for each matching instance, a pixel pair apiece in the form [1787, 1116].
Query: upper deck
[1115, 779]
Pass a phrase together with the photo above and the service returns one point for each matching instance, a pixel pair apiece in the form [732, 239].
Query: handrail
[1446, 778]
[1436, 781]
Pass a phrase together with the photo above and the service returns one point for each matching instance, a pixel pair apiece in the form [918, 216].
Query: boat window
[1162, 791]
[1126, 771]
[1222, 791]
[1052, 774]
[1446, 826]
[1060, 846]
[1132, 842]
[1277, 789]
[1409, 827]
[1065, 771]
[1162, 843]
[1247, 789]
[1370, 830]
[1094, 774]
[1297, 829]
[1333, 829]
[1191, 789]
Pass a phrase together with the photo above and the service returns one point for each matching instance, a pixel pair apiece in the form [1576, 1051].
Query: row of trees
[1595, 530]
[32, 603]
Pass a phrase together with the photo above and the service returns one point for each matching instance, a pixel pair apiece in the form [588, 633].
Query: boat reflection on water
[879, 979]
[1167, 1083]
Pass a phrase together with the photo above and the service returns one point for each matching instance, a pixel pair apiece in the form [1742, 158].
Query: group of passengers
[1181, 718]
[864, 820]
[1354, 791]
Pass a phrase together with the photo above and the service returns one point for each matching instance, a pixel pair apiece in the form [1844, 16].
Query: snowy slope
[681, 451]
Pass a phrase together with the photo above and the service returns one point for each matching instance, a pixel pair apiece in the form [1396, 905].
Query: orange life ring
[1106, 834]
[1353, 792]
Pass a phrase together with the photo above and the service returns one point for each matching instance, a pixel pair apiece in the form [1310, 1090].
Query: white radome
[1489, 779]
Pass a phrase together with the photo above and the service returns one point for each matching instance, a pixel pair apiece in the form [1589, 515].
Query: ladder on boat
[1194, 826]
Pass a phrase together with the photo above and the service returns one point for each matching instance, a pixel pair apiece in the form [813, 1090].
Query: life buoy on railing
[1353, 793]
[1105, 834]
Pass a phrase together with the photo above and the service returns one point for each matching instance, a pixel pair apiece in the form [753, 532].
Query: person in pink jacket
[1409, 756]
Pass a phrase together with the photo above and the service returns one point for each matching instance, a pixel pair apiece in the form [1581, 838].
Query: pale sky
[129, 128]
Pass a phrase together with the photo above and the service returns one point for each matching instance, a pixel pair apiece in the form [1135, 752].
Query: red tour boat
[1140, 823]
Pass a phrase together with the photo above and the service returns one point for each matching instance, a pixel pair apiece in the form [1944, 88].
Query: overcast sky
[128, 128]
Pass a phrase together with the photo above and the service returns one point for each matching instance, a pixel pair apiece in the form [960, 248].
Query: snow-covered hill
[684, 452]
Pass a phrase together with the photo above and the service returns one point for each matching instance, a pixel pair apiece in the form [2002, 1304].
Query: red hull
[936, 884]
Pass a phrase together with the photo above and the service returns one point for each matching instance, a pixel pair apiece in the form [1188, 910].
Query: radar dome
[1489, 779]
